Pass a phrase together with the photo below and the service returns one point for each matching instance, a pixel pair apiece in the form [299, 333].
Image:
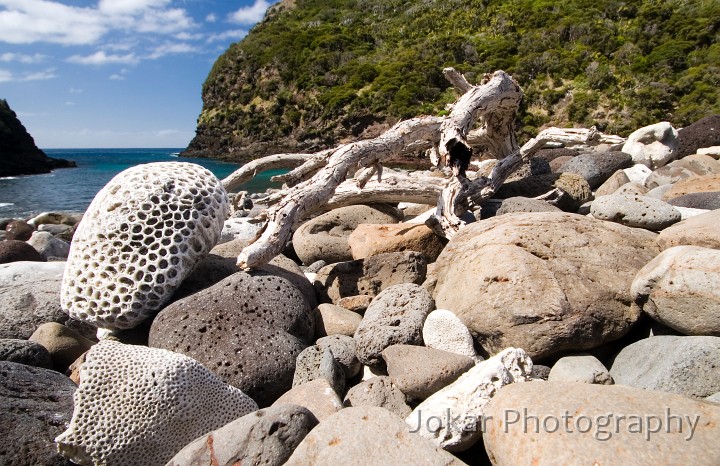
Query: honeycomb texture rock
[141, 236]
[140, 405]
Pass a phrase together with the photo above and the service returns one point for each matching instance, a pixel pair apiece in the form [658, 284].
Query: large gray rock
[49, 246]
[609, 186]
[680, 288]
[30, 296]
[582, 368]
[707, 201]
[419, 371]
[566, 423]
[703, 133]
[64, 345]
[678, 364]
[563, 282]
[267, 436]
[690, 166]
[25, 352]
[395, 316]
[35, 406]
[362, 436]
[700, 230]
[326, 237]
[635, 211]
[369, 276]
[247, 330]
[380, 392]
[596, 167]
[335, 320]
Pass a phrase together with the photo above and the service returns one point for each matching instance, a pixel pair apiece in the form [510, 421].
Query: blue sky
[114, 73]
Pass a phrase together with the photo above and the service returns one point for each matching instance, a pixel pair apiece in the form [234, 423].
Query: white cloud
[19, 57]
[211, 18]
[171, 48]
[40, 75]
[188, 36]
[250, 14]
[235, 34]
[117, 77]
[30, 21]
[7, 76]
[101, 58]
[74, 90]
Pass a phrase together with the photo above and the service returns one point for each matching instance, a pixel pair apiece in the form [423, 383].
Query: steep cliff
[18, 153]
[315, 73]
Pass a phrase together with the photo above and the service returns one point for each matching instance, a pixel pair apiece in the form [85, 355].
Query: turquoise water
[72, 189]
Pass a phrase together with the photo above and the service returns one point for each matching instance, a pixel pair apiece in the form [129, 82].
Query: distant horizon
[114, 73]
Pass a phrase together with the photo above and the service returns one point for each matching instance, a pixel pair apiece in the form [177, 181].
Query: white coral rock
[452, 418]
[141, 236]
[445, 331]
[138, 405]
[653, 146]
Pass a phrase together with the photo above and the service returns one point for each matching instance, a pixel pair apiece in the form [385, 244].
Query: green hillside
[316, 72]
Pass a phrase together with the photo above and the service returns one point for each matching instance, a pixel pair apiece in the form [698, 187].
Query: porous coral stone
[141, 236]
[139, 405]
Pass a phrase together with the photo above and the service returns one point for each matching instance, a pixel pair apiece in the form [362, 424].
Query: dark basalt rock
[18, 153]
[703, 133]
[247, 330]
[14, 250]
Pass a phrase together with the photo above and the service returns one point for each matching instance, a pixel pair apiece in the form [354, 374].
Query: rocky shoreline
[587, 331]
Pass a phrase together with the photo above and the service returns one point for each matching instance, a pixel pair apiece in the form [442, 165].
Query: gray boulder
[315, 363]
[15, 251]
[247, 330]
[525, 204]
[267, 436]
[25, 352]
[380, 392]
[317, 396]
[419, 371]
[677, 364]
[582, 368]
[49, 246]
[35, 407]
[395, 316]
[700, 230]
[708, 201]
[635, 211]
[343, 350]
[597, 167]
[362, 436]
[576, 188]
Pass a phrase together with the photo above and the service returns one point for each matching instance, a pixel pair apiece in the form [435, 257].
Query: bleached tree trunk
[309, 195]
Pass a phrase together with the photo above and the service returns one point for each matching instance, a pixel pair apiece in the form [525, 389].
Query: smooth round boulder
[707, 201]
[700, 230]
[14, 251]
[49, 246]
[695, 184]
[395, 316]
[18, 230]
[380, 392]
[582, 368]
[576, 188]
[317, 396]
[35, 407]
[63, 344]
[326, 236]
[563, 282]
[635, 211]
[247, 330]
[367, 435]
[653, 145]
[680, 288]
[575, 423]
[524, 204]
[668, 363]
[373, 239]
[597, 167]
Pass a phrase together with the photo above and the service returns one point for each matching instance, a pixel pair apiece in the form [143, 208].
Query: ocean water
[72, 189]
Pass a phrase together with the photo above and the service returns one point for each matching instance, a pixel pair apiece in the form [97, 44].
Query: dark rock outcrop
[18, 153]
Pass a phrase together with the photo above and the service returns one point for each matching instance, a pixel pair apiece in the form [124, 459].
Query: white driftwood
[579, 138]
[306, 171]
[392, 188]
[270, 162]
[310, 195]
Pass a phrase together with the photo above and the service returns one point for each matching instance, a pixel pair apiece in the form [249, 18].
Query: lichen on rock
[141, 236]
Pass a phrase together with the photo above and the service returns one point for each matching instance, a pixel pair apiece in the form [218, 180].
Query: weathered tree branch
[308, 196]
[306, 171]
[270, 162]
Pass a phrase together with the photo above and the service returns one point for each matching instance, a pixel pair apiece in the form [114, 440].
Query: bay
[72, 189]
